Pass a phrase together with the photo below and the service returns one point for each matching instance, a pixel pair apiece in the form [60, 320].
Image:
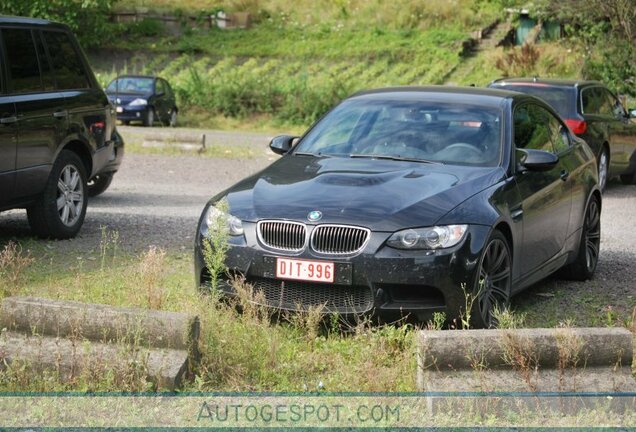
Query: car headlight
[139, 102]
[217, 219]
[437, 237]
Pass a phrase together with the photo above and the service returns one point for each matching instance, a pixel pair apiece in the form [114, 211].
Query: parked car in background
[57, 127]
[595, 114]
[400, 201]
[147, 99]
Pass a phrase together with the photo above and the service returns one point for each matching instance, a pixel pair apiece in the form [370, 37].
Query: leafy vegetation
[87, 18]
[606, 30]
[288, 74]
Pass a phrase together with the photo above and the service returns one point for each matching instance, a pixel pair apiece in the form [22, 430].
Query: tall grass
[239, 351]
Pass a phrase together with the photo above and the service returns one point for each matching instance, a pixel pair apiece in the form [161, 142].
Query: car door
[8, 140]
[38, 107]
[622, 133]
[546, 196]
[172, 102]
[597, 111]
[161, 100]
[86, 106]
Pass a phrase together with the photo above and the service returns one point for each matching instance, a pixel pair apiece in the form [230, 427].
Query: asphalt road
[156, 200]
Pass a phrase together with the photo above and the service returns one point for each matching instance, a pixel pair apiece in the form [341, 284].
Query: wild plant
[506, 318]
[438, 321]
[13, 262]
[152, 267]
[108, 246]
[569, 347]
[465, 315]
[519, 353]
[216, 245]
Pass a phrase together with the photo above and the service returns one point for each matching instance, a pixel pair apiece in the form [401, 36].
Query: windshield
[131, 85]
[450, 133]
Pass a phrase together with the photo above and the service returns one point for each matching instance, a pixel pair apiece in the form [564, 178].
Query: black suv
[595, 114]
[57, 127]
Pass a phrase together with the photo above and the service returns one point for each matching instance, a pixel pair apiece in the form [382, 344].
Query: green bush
[147, 27]
[87, 18]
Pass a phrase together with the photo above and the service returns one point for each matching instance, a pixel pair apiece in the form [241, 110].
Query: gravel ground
[156, 200]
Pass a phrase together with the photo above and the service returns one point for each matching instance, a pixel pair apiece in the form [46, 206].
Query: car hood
[382, 195]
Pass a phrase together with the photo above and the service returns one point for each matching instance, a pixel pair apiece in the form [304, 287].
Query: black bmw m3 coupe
[403, 201]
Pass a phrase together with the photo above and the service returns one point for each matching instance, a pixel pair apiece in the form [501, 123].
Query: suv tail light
[577, 126]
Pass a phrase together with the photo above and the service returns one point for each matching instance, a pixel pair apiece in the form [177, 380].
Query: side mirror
[281, 144]
[537, 160]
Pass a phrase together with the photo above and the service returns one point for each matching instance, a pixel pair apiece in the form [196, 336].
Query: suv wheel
[98, 184]
[60, 211]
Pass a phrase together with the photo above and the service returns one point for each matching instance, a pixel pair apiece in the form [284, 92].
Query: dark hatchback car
[147, 99]
[595, 114]
[400, 199]
[57, 128]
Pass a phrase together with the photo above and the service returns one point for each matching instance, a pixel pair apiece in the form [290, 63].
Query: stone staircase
[489, 39]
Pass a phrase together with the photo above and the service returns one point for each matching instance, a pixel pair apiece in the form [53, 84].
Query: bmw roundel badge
[314, 216]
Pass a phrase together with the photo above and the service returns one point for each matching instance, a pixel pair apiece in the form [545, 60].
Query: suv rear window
[67, 65]
[561, 99]
[24, 71]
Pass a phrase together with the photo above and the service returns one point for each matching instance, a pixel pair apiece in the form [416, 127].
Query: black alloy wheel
[493, 283]
[584, 266]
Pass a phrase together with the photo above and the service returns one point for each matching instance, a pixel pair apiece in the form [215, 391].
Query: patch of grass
[240, 352]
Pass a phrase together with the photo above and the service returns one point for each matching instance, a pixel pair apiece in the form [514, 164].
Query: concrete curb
[535, 360]
[68, 337]
[181, 140]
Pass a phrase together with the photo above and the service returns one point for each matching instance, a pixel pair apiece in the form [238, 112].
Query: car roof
[137, 76]
[14, 20]
[548, 82]
[486, 96]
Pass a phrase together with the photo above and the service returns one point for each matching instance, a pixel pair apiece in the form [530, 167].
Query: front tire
[173, 118]
[98, 184]
[493, 282]
[61, 209]
[584, 266]
[149, 121]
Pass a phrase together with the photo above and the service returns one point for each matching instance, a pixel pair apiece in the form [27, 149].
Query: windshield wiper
[396, 158]
[306, 154]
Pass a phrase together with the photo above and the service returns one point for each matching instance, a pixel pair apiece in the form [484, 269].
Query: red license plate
[304, 270]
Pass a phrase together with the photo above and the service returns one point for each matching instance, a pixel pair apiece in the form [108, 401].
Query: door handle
[564, 175]
[8, 120]
[60, 114]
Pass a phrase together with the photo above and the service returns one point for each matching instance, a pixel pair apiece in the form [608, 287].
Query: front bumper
[381, 281]
[127, 113]
[116, 155]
